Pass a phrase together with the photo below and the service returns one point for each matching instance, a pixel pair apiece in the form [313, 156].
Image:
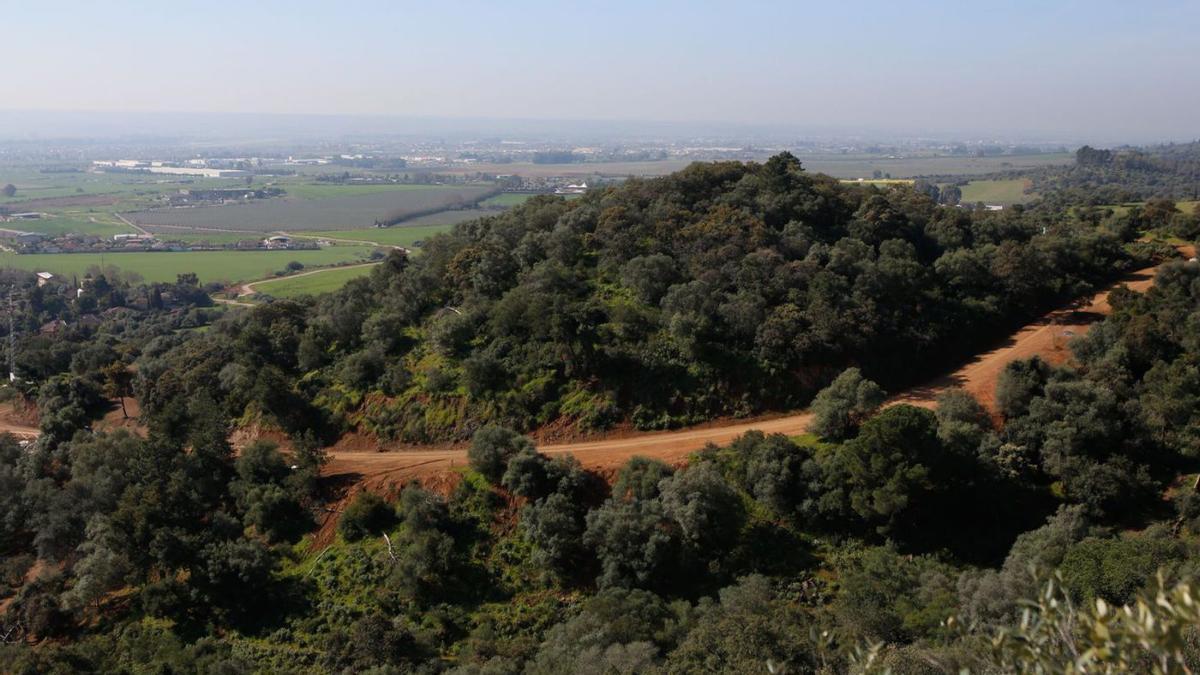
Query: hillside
[727, 289]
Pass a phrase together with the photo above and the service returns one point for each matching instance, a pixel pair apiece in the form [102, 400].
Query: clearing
[997, 191]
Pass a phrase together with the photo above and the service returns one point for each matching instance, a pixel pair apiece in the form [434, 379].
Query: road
[358, 459]
[1046, 337]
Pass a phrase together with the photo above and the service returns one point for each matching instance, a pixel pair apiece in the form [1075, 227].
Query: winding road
[358, 459]
[1046, 337]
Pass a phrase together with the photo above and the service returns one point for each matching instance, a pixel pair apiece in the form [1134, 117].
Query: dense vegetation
[897, 538]
[725, 289]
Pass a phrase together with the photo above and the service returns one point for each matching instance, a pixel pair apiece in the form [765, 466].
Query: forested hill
[723, 289]
[1100, 177]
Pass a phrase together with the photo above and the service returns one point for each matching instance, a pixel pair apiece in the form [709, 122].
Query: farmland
[997, 192]
[311, 284]
[388, 236]
[326, 208]
[210, 266]
[506, 200]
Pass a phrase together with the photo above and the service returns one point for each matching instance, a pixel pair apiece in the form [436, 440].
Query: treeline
[894, 540]
[1124, 175]
[724, 289]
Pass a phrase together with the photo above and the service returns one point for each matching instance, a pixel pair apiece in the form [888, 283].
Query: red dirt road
[1046, 337]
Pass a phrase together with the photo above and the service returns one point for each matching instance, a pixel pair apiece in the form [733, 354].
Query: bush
[845, 404]
[492, 447]
[368, 514]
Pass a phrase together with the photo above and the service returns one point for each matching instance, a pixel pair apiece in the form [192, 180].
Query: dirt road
[1046, 337]
[15, 424]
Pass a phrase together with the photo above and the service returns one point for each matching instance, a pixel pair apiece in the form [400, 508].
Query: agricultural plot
[224, 266]
[312, 284]
[100, 225]
[997, 192]
[387, 236]
[506, 200]
[319, 212]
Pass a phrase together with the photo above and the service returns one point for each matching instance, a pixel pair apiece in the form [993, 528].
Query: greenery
[764, 283]
[209, 266]
[1056, 533]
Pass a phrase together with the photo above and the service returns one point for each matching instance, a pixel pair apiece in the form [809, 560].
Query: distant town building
[43, 278]
[572, 189]
[278, 241]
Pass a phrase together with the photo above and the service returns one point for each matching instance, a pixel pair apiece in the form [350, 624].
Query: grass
[997, 191]
[225, 266]
[313, 284]
[391, 236]
[506, 200]
[103, 226]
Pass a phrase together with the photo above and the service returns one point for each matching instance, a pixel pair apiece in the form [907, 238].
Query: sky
[1098, 69]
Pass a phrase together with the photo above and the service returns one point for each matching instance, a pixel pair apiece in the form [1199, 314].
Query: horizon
[1102, 72]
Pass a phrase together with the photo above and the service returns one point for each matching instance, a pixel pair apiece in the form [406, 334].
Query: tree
[492, 447]
[895, 474]
[1019, 383]
[9, 190]
[962, 421]
[840, 408]
[368, 514]
[951, 195]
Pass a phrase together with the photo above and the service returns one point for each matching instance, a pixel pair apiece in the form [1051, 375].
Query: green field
[390, 236]
[226, 266]
[313, 284]
[317, 207]
[101, 225]
[997, 192]
[506, 200]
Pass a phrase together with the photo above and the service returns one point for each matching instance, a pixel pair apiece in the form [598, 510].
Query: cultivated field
[312, 284]
[325, 208]
[99, 224]
[506, 200]
[226, 266]
[389, 236]
[997, 191]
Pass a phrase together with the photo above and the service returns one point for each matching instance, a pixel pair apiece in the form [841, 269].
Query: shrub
[492, 447]
[368, 514]
[841, 407]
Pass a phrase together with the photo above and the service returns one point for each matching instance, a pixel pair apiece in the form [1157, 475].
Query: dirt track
[357, 460]
[1046, 337]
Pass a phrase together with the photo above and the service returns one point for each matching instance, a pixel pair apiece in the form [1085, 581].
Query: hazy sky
[1097, 68]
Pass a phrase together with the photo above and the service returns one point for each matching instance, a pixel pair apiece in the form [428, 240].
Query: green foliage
[367, 515]
[839, 409]
[491, 449]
